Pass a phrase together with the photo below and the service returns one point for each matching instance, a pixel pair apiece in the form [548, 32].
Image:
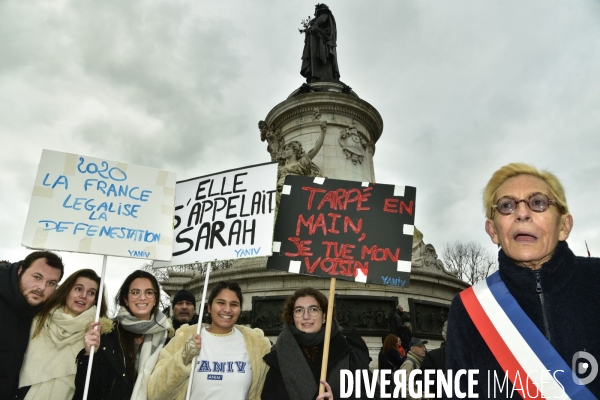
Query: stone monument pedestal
[352, 127]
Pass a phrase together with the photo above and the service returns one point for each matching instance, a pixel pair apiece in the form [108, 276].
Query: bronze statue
[319, 58]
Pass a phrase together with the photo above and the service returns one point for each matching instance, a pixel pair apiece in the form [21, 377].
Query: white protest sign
[91, 205]
[225, 216]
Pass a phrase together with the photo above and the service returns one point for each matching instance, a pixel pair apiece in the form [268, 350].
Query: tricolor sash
[518, 345]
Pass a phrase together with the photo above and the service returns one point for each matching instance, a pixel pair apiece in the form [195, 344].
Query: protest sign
[91, 205]
[225, 216]
[361, 232]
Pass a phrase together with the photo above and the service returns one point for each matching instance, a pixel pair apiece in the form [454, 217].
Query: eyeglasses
[537, 202]
[135, 293]
[313, 311]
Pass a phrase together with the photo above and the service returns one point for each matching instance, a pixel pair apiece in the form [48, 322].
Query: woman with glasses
[48, 371]
[295, 360]
[541, 308]
[229, 364]
[125, 357]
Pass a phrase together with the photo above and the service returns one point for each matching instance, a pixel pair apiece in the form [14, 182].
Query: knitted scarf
[155, 333]
[49, 366]
[297, 376]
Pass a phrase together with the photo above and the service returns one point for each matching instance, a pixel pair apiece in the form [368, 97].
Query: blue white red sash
[518, 345]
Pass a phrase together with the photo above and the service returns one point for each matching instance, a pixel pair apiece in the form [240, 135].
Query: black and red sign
[360, 232]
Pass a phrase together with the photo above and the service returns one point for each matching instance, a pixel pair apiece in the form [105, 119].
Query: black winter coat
[176, 325]
[571, 303]
[434, 360]
[15, 322]
[392, 360]
[109, 379]
[274, 387]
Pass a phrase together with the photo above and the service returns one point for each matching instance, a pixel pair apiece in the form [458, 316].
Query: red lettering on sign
[332, 264]
[334, 199]
[319, 224]
[379, 253]
[408, 209]
[312, 194]
[364, 267]
[337, 266]
[363, 198]
[333, 217]
[340, 198]
[311, 267]
[301, 221]
[329, 246]
[345, 250]
[390, 205]
[311, 224]
[349, 223]
[342, 251]
[302, 245]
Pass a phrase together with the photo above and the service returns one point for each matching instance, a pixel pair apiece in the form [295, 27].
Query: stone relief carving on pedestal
[353, 144]
[366, 314]
[429, 318]
[424, 255]
[316, 113]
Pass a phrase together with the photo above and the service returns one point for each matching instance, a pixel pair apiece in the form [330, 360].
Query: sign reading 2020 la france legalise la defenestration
[91, 205]
[360, 232]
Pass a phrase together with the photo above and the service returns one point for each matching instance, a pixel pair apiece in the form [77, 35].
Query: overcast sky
[463, 87]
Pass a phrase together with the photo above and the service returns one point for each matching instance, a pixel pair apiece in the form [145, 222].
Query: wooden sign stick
[327, 335]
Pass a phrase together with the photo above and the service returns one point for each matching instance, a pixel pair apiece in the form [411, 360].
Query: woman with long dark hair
[126, 356]
[296, 357]
[392, 356]
[57, 336]
[230, 364]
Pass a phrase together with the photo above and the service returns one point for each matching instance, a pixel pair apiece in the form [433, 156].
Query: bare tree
[471, 261]
[162, 274]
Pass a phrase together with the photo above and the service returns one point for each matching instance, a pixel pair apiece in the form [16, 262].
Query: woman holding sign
[295, 359]
[57, 336]
[126, 356]
[230, 363]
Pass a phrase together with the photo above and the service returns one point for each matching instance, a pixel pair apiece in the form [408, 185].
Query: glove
[191, 349]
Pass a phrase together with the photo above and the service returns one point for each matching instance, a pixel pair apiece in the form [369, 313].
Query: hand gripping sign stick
[89, 368]
[327, 335]
[193, 364]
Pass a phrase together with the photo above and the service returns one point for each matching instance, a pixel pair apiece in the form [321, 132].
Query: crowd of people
[48, 332]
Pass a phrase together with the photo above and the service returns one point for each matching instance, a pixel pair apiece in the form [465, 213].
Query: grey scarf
[297, 375]
[155, 333]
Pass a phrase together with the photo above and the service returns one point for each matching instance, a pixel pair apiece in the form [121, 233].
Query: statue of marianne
[319, 58]
[295, 161]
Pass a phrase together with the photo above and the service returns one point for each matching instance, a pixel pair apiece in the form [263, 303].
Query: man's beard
[40, 294]
[184, 317]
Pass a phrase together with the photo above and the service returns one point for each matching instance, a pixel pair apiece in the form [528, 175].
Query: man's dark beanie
[184, 295]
